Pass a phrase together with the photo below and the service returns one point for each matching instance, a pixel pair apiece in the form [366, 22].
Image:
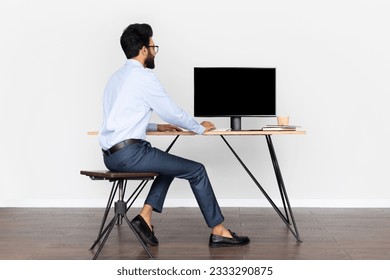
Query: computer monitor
[234, 92]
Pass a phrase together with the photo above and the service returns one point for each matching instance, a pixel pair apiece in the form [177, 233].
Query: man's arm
[168, 127]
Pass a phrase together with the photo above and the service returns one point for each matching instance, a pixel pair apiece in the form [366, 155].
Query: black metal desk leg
[284, 217]
[286, 204]
[282, 188]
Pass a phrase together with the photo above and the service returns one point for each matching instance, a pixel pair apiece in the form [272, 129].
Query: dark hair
[134, 37]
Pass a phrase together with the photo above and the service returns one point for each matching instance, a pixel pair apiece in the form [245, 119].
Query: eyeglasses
[155, 48]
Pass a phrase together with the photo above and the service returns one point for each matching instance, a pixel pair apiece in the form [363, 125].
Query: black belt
[120, 146]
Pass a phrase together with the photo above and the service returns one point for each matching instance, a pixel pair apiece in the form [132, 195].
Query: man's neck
[140, 60]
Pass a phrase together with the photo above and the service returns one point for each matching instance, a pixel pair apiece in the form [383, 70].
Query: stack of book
[280, 127]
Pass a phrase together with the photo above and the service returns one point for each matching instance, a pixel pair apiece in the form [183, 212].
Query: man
[131, 95]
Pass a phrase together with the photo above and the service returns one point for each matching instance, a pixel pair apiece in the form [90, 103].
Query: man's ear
[143, 51]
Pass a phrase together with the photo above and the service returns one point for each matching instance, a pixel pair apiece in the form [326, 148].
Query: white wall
[333, 66]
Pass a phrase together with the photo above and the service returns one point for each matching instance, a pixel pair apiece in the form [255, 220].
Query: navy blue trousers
[142, 157]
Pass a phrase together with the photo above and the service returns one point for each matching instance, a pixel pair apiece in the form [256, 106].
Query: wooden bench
[119, 184]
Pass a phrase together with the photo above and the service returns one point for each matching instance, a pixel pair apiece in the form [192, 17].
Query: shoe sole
[218, 245]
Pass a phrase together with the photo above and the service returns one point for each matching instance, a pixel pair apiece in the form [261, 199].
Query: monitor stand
[235, 123]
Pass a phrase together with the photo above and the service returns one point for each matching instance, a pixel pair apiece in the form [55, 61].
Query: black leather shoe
[143, 230]
[221, 241]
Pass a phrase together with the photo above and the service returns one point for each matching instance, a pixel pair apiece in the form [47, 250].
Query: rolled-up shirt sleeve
[151, 127]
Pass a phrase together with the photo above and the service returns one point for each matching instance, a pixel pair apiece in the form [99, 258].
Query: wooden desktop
[232, 132]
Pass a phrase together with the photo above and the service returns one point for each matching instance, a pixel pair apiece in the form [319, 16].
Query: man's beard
[149, 61]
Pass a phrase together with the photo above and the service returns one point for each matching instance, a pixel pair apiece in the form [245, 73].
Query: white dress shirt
[131, 95]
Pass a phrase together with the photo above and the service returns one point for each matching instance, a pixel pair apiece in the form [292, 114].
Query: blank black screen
[234, 91]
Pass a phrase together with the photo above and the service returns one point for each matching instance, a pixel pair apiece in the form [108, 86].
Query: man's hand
[208, 125]
[168, 127]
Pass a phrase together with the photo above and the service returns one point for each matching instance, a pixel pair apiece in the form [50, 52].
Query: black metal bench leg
[107, 210]
[139, 238]
[120, 213]
[109, 227]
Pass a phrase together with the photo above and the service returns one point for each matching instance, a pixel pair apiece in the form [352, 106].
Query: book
[280, 127]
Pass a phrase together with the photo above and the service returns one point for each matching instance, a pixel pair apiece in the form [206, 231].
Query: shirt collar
[134, 62]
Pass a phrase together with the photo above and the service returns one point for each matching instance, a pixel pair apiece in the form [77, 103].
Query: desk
[286, 214]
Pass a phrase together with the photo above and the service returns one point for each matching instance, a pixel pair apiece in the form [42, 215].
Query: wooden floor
[327, 234]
